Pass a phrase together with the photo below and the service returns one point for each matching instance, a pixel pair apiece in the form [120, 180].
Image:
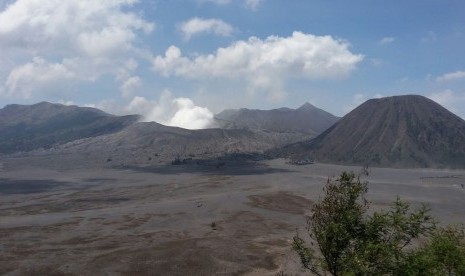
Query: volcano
[399, 131]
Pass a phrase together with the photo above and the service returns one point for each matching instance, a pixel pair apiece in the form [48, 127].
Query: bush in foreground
[399, 241]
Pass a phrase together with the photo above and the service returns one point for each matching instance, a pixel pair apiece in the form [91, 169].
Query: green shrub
[352, 242]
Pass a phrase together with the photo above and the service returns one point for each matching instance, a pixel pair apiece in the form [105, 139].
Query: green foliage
[388, 234]
[443, 254]
[337, 221]
[306, 254]
[352, 242]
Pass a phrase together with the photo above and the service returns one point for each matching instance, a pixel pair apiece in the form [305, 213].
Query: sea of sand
[184, 220]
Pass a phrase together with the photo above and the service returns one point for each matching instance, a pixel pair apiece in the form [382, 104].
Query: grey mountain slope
[86, 135]
[401, 131]
[306, 119]
[153, 143]
[43, 125]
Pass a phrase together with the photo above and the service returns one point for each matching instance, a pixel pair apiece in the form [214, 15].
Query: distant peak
[306, 105]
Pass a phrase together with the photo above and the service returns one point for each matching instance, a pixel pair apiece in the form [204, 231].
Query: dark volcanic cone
[411, 131]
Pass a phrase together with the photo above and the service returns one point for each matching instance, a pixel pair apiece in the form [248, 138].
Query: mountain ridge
[44, 125]
[57, 131]
[306, 119]
[399, 131]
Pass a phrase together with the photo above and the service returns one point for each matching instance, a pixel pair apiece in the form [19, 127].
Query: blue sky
[180, 61]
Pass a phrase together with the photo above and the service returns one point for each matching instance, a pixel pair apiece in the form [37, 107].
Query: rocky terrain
[153, 144]
[184, 220]
[400, 131]
[75, 136]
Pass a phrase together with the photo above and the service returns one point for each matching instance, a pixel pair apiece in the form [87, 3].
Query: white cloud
[196, 26]
[25, 78]
[303, 55]
[190, 116]
[91, 27]
[142, 106]
[172, 59]
[265, 63]
[179, 112]
[252, 4]
[82, 37]
[443, 97]
[386, 40]
[131, 84]
[64, 102]
[109, 106]
[450, 100]
[452, 76]
[218, 2]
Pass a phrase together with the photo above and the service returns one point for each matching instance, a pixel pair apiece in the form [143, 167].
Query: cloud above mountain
[451, 100]
[451, 76]
[179, 112]
[265, 64]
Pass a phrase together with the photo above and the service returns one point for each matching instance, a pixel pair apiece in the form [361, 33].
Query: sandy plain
[183, 220]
